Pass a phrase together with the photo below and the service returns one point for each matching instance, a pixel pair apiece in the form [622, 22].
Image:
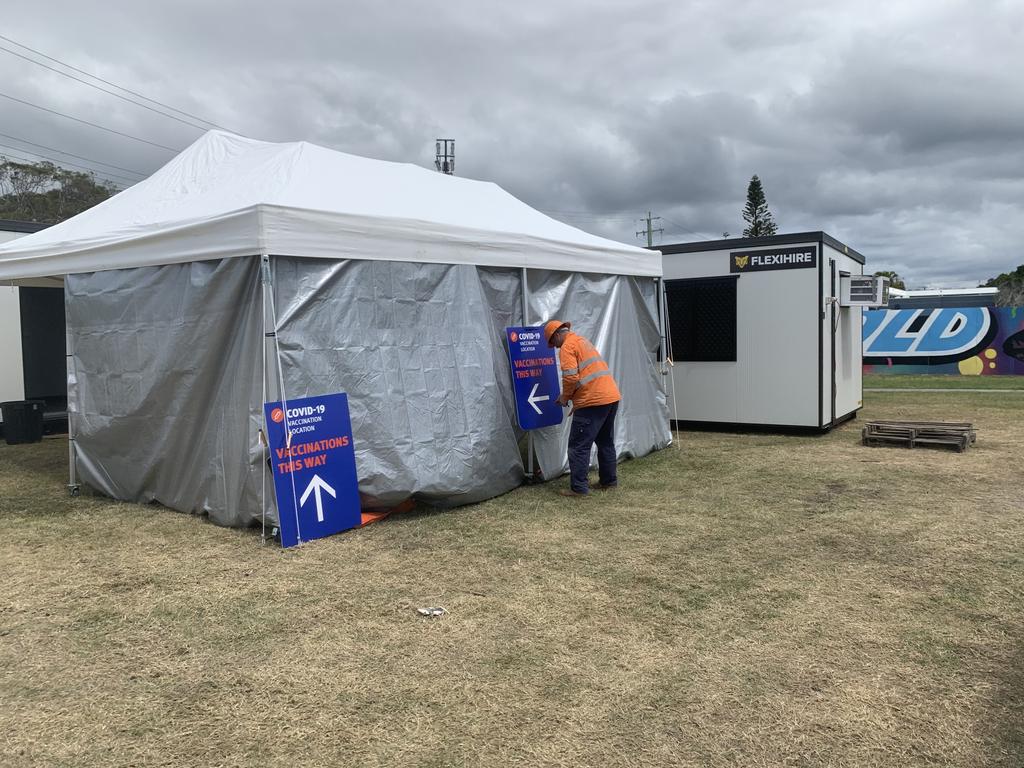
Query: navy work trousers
[595, 424]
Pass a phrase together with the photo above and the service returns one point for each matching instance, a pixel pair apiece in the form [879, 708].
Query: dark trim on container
[28, 227]
[759, 242]
[847, 417]
[819, 312]
[738, 426]
[832, 319]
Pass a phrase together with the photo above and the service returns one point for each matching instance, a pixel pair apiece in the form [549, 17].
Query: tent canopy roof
[228, 196]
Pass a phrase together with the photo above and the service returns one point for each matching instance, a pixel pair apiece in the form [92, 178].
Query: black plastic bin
[23, 421]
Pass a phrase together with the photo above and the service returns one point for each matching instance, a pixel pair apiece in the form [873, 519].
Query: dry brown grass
[751, 600]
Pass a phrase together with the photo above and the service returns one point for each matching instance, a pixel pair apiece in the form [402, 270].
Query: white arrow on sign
[533, 399]
[316, 484]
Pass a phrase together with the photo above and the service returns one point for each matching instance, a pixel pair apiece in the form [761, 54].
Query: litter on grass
[433, 611]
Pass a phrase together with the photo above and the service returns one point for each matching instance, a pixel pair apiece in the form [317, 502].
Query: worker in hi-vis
[588, 383]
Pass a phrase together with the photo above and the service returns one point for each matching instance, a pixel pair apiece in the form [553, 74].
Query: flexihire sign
[535, 378]
[314, 462]
[803, 257]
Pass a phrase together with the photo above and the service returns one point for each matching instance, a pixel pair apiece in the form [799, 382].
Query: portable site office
[766, 331]
[31, 338]
[244, 269]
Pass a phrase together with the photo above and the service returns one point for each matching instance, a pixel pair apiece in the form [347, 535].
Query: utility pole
[650, 229]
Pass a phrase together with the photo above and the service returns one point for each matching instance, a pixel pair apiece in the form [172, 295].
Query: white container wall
[12, 378]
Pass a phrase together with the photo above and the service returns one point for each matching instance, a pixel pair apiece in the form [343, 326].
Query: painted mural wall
[970, 341]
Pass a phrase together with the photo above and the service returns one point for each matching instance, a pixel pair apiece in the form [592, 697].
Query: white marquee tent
[243, 268]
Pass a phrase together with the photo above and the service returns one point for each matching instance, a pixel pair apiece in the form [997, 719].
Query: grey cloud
[895, 128]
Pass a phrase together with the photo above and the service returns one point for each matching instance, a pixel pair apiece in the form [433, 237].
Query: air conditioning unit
[863, 291]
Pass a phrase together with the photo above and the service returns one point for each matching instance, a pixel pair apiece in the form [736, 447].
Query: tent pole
[73, 487]
[526, 322]
[667, 364]
[284, 400]
[264, 278]
[659, 286]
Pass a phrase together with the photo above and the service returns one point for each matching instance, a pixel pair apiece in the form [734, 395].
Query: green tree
[759, 219]
[1011, 288]
[46, 192]
[895, 281]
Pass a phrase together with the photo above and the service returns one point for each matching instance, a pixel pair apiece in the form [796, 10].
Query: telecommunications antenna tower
[445, 157]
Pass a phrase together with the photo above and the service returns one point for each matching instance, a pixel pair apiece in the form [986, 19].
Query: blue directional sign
[314, 462]
[535, 378]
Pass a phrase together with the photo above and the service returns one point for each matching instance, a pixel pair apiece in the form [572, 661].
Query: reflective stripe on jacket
[585, 374]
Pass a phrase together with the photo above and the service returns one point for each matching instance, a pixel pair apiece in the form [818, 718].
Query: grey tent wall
[620, 317]
[419, 350]
[166, 404]
[172, 365]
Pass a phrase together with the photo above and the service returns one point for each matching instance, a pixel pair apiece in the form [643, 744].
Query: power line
[593, 219]
[104, 177]
[687, 229]
[603, 214]
[672, 234]
[63, 163]
[585, 215]
[94, 171]
[94, 125]
[591, 216]
[114, 85]
[104, 90]
[69, 154]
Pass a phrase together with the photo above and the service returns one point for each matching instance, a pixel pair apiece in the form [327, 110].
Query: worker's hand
[563, 399]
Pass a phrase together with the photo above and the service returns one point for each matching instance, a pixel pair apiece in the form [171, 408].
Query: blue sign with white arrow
[535, 378]
[314, 462]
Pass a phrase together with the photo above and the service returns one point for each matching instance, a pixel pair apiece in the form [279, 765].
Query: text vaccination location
[535, 377]
[314, 462]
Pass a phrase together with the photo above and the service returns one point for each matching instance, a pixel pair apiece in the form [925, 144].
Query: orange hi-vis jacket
[585, 374]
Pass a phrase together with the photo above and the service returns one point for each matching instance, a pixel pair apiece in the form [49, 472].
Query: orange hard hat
[551, 326]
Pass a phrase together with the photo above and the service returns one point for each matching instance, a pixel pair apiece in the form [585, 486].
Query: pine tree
[756, 214]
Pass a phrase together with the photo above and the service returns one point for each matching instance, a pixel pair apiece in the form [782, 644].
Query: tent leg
[659, 285]
[73, 487]
[282, 391]
[264, 280]
[667, 364]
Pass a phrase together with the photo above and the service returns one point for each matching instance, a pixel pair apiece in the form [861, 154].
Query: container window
[702, 318]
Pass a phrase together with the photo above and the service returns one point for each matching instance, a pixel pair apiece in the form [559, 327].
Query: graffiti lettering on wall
[972, 341]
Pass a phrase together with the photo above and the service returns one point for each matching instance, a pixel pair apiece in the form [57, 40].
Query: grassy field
[931, 381]
[748, 600]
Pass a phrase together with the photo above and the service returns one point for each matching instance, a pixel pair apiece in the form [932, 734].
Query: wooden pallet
[959, 434]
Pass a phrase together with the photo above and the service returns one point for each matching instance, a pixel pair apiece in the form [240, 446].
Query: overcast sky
[897, 127]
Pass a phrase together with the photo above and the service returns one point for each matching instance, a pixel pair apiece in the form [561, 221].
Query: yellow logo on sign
[742, 261]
